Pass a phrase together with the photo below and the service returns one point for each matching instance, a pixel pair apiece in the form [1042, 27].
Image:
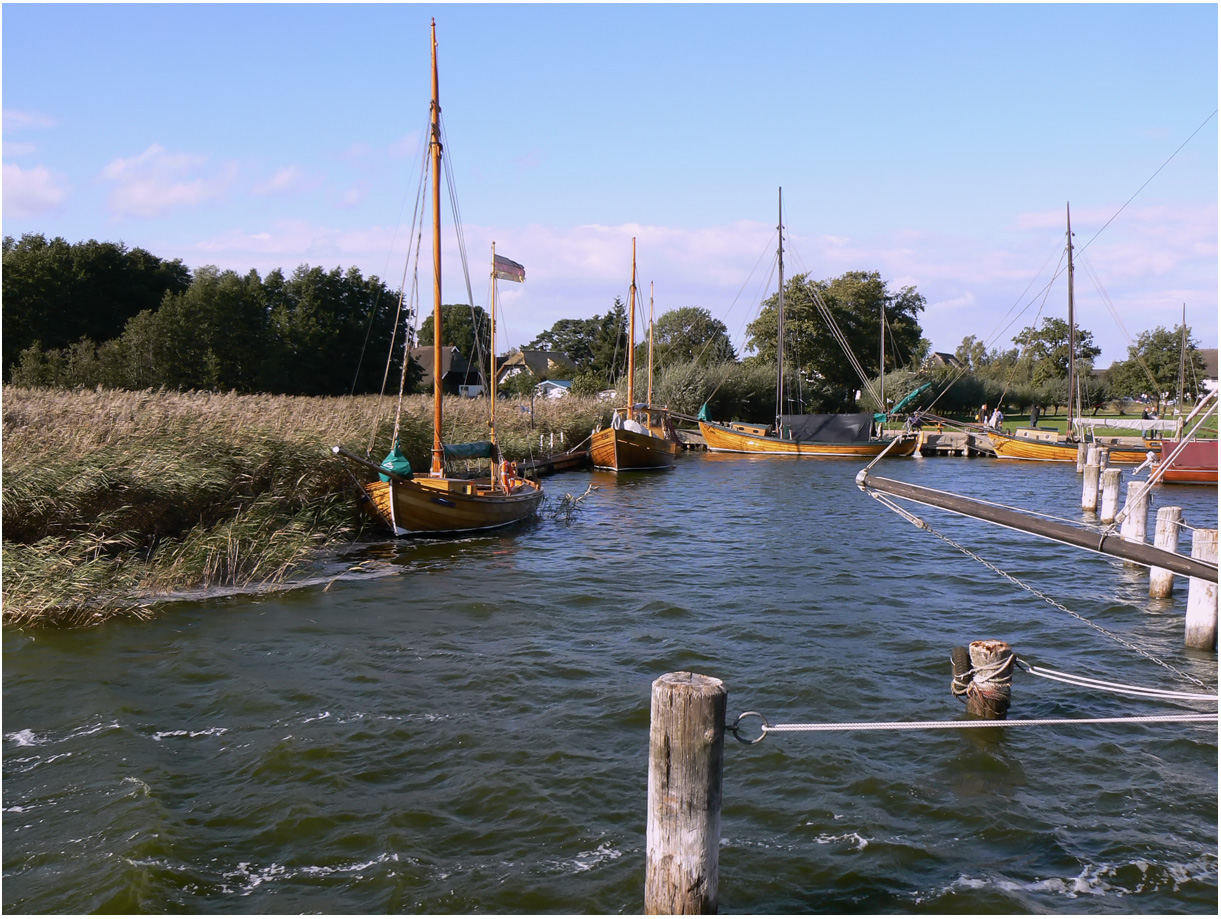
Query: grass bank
[112, 500]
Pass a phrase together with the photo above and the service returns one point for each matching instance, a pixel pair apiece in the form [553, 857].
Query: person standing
[1034, 416]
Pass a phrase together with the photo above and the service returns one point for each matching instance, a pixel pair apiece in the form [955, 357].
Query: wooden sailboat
[827, 436]
[1040, 446]
[640, 435]
[438, 505]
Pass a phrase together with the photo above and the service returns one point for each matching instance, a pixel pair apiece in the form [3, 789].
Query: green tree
[1046, 350]
[1157, 354]
[460, 324]
[331, 331]
[56, 293]
[856, 301]
[690, 335]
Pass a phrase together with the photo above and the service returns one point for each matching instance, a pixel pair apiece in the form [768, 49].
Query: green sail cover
[479, 450]
[397, 463]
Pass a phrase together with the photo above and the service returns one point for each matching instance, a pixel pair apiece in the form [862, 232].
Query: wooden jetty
[557, 462]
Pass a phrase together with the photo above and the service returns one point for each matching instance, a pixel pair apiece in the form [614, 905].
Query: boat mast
[492, 394]
[882, 361]
[1072, 328]
[438, 450]
[1183, 359]
[649, 398]
[780, 316]
[631, 348]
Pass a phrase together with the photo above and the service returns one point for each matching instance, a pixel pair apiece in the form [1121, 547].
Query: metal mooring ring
[762, 729]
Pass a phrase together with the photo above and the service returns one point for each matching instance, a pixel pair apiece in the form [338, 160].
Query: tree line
[92, 313]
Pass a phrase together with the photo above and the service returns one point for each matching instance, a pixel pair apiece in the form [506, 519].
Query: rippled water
[470, 733]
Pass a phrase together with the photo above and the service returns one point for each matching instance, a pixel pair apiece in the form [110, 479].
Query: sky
[939, 145]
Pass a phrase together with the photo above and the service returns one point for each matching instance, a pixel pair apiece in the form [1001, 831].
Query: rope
[1189, 718]
[1042, 596]
[1121, 688]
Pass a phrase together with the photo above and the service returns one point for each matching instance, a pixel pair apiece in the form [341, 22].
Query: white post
[1082, 450]
[1201, 630]
[1089, 488]
[1166, 536]
[1111, 479]
[1091, 455]
[1135, 526]
[1104, 457]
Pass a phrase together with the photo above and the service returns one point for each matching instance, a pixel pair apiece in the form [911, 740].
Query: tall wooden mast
[649, 398]
[492, 361]
[434, 144]
[1072, 329]
[631, 348]
[780, 317]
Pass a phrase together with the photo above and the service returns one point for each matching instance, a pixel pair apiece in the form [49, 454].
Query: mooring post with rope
[983, 675]
[1166, 538]
[1111, 480]
[1135, 526]
[1089, 487]
[686, 762]
[1201, 630]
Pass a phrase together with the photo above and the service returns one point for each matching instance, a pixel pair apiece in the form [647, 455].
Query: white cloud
[286, 181]
[32, 192]
[15, 120]
[157, 182]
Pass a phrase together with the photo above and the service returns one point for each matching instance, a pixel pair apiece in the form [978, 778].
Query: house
[458, 375]
[553, 389]
[942, 359]
[1209, 383]
[545, 365]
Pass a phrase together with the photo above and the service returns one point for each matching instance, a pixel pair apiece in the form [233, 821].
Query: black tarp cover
[824, 429]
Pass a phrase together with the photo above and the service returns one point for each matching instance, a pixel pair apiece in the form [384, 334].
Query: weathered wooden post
[686, 758]
[983, 673]
[1111, 479]
[1089, 488]
[1091, 455]
[1135, 526]
[1165, 536]
[1082, 450]
[1104, 457]
[1202, 596]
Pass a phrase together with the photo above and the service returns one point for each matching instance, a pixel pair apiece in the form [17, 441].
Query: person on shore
[1034, 416]
[994, 422]
[981, 417]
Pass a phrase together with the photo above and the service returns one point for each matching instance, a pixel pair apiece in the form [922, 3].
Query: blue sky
[936, 144]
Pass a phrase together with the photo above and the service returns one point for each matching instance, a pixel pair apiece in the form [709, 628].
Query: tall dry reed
[112, 499]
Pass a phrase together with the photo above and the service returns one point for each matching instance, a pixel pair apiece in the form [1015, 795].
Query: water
[470, 733]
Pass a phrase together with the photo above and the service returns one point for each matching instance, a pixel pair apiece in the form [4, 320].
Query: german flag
[508, 270]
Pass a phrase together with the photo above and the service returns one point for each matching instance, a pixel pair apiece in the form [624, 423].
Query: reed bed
[113, 500]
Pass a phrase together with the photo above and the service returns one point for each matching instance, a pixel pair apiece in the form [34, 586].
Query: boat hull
[723, 439]
[1056, 451]
[621, 450]
[1196, 464]
[442, 507]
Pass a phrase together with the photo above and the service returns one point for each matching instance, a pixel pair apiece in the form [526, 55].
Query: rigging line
[1150, 179]
[1189, 718]
[416, 232]
[923, 524]
[1093, 275]
[729, 366]
[1059, 676]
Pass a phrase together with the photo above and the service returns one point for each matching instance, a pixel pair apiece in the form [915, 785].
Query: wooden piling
[1135, 526]
[686, 757]
[1104, 457]
[1089, 488]
[1111, 480]
[1165, 536]
[1201, 631]
[1082, 450]
[992, 672]
[1091, 455]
